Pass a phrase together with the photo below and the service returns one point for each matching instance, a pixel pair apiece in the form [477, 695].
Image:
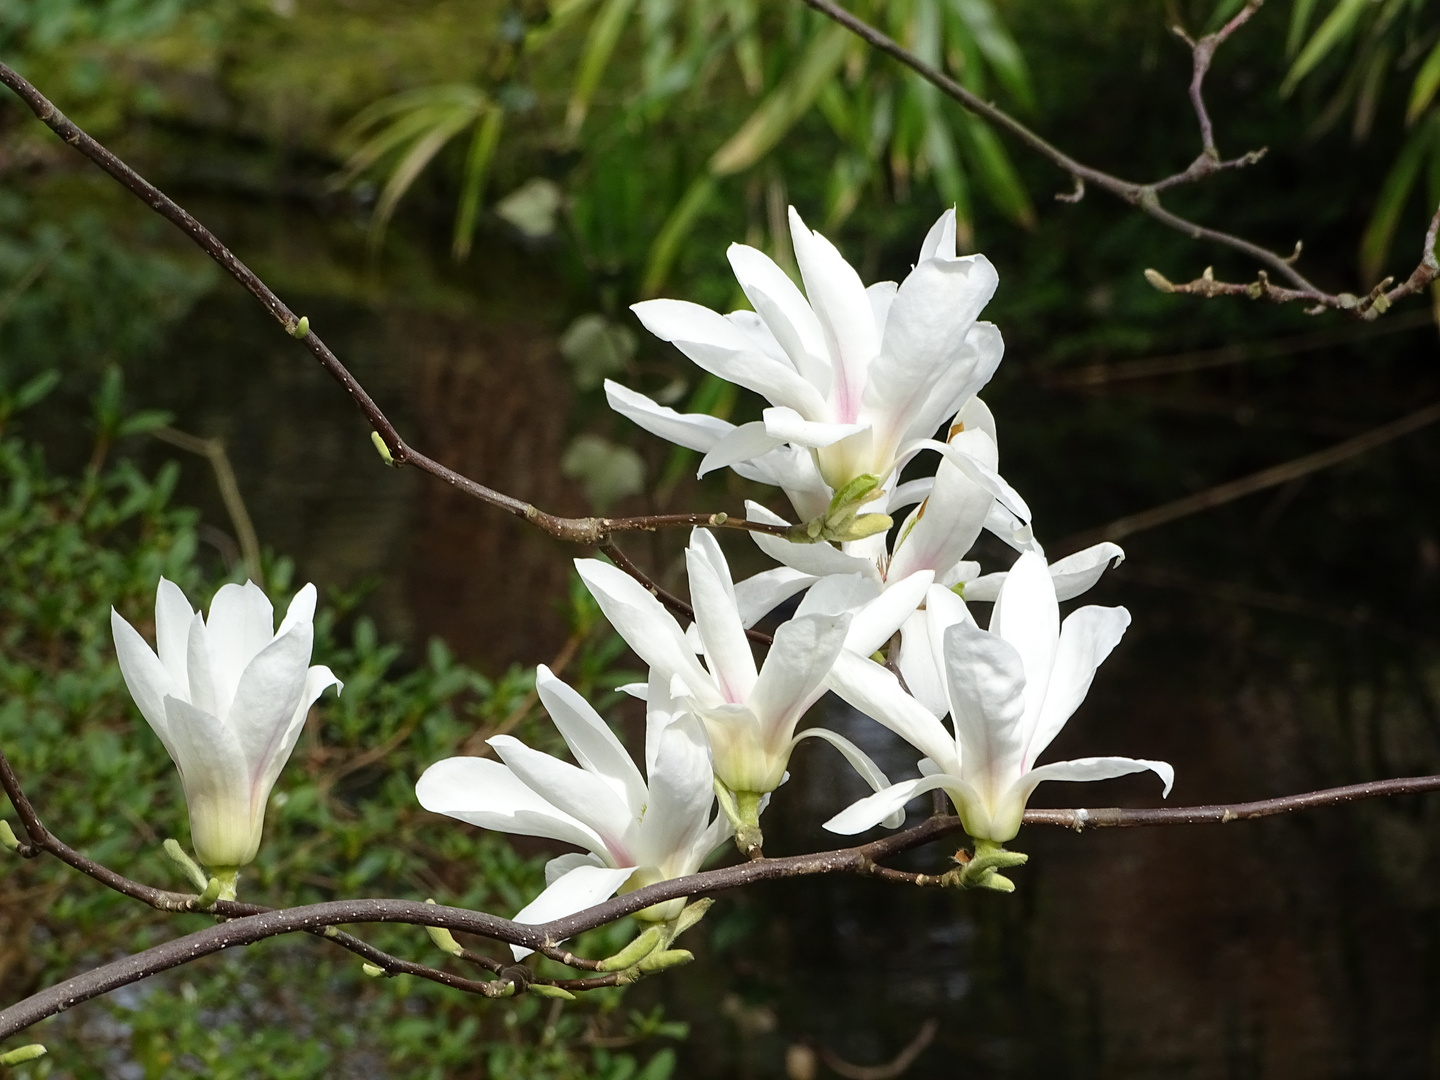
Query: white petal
[838, 299]
[723, 349]
[818, 560]
[787, 425]
[961, 382]
[561, 865]
[857, 760]
[301, 609]
[940, 240]
[923, 677]
[946, 525]
[925, 340]
[762, 593]
[785, 311]
[582, 795]
[582, 887]
[878, 620]
[145, 676]
[224, 814]
[743, 755]
[486, 793]
[837, 594]
[986, 683]
[590, 739]
[727, 649]
[695, 431]
[909, 493]
[268, 698]
[1009, 528]
[199, 665]
[793, 675]
[873, 690]
[1028, 617]
[173, 614]
[975, 469]
[317, 680]
[682, 792]
[642, 621]
[241, 623]
[744, 443]
[1086, 639]
[759, 332]
[1075, 574]
[874, 809]
[1091, 768]
[881, 295]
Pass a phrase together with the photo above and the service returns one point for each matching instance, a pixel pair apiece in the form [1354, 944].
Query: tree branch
[1146, 197]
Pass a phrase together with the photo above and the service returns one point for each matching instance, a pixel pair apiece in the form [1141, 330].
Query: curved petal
[858, 760]
[1011, 807]
[786, 312]
[301, 609]
[939, 242]
[876, 622]
[946, 526]
[225, 816]
[760, 334]
[741, 756]
[571, 790]
[837, 594]
[881, 296]
[884, 805]
[682, 792]
[975, 469]
[910, 493]
[582, 887]
[727, 649]
[744, 443]
[818, 560]
[204, 694]
[787, 425]
[1027, 615]
[986, 682]
[590, 739]
[723, 349]
[694, 431]
[1075, 574]
[486, 793]
[561, 865]
[838, 299]
[241, 623]
[762, 593]
[961, 382]
[268, 698]
[917, 665]
[873, 690]
[317, 680]
[147, 679]
[173, 614]
[1086, 639]
[804, 651]
[1009, 528]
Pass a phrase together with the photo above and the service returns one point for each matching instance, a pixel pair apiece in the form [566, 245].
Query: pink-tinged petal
[723, 349]
[762, 593]
[485, 793]
[225, 815]
[945, 527]
[838, 299]
[744, 443]
[590, 739]
[939, 242]
[727, 649]
[581, 888]
[1086, 639]
[173, 614]
[874, 809]
[794, 672]
[818, 560]
[240, 624]
[986, 683]
[146, 678]
[642, 621]
[1028, 617]
[694, 431]
[1076, 574]
[582, 795]
[786, 425]
[267, 703]
[876, 622]
[858, 760]
[925, 334]
[873, 690]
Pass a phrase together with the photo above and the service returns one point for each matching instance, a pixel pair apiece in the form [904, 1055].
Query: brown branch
[891, 1069]
[1248, 485]
[670, 600]
[1146, 197]
[213, 451]
[590, 531]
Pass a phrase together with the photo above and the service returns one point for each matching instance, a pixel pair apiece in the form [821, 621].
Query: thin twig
[670, 600]
[213, 451]
[891, 1069]
[1248, 485]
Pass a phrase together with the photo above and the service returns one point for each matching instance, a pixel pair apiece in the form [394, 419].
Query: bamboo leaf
[1332, 31]
[996, 174]
[999, 49]
[604, 33]
[1299, 22]
[784, 105]
[1427, 81]
[477, 168]
[411, 165]
[672, 234]
[1394, 192]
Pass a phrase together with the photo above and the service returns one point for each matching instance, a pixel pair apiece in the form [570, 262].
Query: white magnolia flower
[228, 698]
[858, 379]
[1009, 691]
[634, 833]
[750, 715]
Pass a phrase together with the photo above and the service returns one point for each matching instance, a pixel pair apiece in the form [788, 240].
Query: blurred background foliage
[464, 196]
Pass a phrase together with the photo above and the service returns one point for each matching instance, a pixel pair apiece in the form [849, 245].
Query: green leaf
[1380, 232]
[606, 471]
[999, 48]
[1427, 81]
[34, 390]
[995, 172]
[1299, 22]
[143, 422]
[677, 226]
[1332, 31]
[604, 33]
[472, 188]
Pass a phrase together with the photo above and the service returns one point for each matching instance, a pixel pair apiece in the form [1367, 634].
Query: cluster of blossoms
[859, 382]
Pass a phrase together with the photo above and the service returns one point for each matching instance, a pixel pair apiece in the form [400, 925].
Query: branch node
[1074, 195]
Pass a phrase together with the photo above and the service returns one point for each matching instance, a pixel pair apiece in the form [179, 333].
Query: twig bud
[301, 329]
[384, 450]
[643, 945]
[22, 1054]
[662, 959]
[551, 991]
[375, 971]
[692, 914]
[191, 868]
[1159, 281]
[8, 837]
[443, 939]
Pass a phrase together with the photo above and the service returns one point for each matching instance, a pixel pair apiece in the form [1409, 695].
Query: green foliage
[342, 822]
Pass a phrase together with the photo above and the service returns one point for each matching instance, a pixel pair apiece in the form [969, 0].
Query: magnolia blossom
[228, 698]
[1009, 691]
[634, 832]
[749, 714]
[858, 379]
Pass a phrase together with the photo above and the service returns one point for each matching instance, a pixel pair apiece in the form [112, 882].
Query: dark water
[1297, 947]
